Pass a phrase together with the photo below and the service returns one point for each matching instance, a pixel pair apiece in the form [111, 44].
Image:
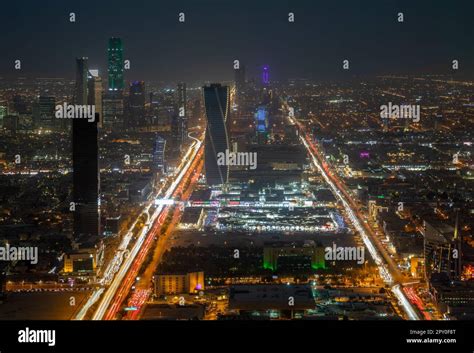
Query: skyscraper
[182, 112]
[239, 78]
[137, 104]
[115, 64]
[216, 101]
[80, 88]
[113, 108]
[266, 75]
[94, 93]
[43, 112]
[85, 162]
[159, 147]
[261, 124]
[175, 135]
[441, 242]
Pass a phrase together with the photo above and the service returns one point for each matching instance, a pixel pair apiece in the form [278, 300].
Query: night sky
[257, 32]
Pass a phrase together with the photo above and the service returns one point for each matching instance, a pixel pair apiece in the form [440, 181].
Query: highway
[122, 279]
[118, 268]
[387, 268]
[142, 286]
[131, 278]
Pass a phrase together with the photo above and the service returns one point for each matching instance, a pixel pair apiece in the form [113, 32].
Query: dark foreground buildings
[85, 160]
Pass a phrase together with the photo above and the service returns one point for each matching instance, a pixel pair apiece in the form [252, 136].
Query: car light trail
[95, 296]
[405, 303]
[118, 267]
[121, 274]
[383, 270]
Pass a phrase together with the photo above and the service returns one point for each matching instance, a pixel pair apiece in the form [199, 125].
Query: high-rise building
[115, 64]
[85, 162]
[113, 109]
[43, 113]
[266, 75]
[239, 84]
[239, 81]
[159, 148]
[239, 78]
[175, 135]
[261, 124]
[216, 101]
[441, 250]
[137, 104]
[182, 112]
[137, 94]
[94, 92]
[80, 88]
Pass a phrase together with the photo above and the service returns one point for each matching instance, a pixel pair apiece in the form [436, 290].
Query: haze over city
[225, 161]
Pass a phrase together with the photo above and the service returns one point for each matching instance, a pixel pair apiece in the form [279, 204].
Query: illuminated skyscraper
[137, 104]
[115, 64]
[175, 135]
[159, 148]
[182, 113]
[261, 124]
[442, 249]
[85, 161]
[266, 75]
[113, 108]
[216, 101]
[94, 93]
[239, 77]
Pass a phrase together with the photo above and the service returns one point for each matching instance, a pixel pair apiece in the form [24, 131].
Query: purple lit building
[265, 75]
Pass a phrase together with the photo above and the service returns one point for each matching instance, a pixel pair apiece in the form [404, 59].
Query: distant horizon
[216, 33]
[455, 77]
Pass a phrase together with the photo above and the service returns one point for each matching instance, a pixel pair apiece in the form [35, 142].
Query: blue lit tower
[261, 124]
[217, 105]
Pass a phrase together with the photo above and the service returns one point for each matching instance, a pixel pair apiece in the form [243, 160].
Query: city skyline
[256, 34]
[306, 162]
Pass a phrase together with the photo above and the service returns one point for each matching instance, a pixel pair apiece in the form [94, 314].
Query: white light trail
[116, 267]
[110, 292]
[383, 270]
